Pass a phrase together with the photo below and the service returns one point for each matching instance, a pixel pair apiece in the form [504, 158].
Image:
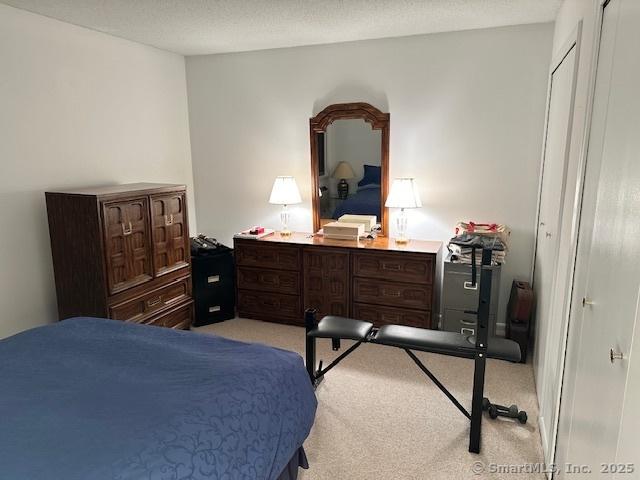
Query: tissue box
[343, 230]
[368, 221]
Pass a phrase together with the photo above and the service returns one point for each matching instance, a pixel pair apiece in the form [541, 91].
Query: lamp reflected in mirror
[343, 172]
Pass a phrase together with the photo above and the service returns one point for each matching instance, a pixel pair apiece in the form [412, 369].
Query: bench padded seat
[445, 343]
[420, 339]
[341, 327]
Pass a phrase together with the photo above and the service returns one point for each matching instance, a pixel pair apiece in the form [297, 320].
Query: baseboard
[545, 442]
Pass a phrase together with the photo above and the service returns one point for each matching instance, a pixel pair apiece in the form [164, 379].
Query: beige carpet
[380, 417]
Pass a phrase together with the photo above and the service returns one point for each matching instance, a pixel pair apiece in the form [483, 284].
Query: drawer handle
[391, 266]
[153, 302]
[168, 220]
[389, 293]
[127, 231]
[468, 322]
[469, 331]
[213, 279]
[215, 308]
[470, 286]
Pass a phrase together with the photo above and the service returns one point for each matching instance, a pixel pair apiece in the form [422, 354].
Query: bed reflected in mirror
[349, 175]
[349, 156]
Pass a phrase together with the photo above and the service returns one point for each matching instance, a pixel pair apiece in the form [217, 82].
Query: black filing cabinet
[213, 286]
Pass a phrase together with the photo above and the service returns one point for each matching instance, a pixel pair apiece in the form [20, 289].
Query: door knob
[548, 234]
[586, 301]
[615, 355]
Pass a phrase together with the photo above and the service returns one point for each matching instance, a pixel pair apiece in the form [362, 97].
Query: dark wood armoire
[122, 252]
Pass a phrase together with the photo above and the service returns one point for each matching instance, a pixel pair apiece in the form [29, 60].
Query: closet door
[170, 233]
[556, 239]
[126, 233]
[551, 199]
[606, 292]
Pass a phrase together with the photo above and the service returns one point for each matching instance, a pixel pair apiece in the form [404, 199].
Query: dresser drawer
[402, 295]
[253, 253]
[267, 280]
[179, 317]
[401, 267]
[380, 315]
[140, 308]
[269, 305]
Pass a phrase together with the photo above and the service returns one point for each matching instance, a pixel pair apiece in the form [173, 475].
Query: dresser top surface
[380, 243]
[126, 188]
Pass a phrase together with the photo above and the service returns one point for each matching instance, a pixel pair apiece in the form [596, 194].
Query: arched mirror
[349, 163]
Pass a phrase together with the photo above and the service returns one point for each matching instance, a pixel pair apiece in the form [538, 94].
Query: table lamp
[403, 194]
[344, 172]
[285, 192]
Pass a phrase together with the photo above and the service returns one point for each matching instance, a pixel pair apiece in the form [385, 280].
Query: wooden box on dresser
[122, 252]
[374, 280]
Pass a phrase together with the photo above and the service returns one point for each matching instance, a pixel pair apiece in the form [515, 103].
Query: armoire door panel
[128, 256]
[170, 242]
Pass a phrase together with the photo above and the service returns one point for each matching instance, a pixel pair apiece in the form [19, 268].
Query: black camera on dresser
[213, 278]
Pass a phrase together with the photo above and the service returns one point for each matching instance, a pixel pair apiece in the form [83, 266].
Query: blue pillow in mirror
[372, 175]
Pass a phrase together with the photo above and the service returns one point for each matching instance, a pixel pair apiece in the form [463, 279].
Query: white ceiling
[193, 27]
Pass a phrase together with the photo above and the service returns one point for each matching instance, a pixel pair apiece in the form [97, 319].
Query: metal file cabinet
[459, 295]
[214, 286]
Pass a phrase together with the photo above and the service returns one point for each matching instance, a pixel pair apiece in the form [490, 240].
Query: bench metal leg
[476, 403]
[310, 344]
[437, 382]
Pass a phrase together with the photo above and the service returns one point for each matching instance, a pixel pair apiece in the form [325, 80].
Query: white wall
[467, 114]
[77, 108]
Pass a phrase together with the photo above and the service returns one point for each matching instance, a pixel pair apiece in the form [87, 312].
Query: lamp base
[285, 233]
[343, 189]
[402, 240]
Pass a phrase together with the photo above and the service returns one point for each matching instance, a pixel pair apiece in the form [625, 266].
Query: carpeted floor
[379, 417]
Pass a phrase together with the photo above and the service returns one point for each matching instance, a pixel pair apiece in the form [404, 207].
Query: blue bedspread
[89, 399]
[365, 202]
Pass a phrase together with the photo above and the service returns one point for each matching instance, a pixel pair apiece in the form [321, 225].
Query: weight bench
[410, 339]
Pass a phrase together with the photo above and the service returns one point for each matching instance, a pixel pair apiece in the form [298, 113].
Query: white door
[608, 260]
[551, 200]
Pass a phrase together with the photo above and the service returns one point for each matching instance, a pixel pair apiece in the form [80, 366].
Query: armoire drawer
[257, 254]
[379, 315]
[179, 317]
[269, 305]
[141, 308]
[268, 280]
[392, 294]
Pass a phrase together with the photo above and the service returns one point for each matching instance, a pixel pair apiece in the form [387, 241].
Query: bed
[366, 201]
[95, 399]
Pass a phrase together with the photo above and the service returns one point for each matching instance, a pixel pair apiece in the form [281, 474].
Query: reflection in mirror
[349, 170]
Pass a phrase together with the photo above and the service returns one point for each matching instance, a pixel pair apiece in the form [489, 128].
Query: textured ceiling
[193, 27]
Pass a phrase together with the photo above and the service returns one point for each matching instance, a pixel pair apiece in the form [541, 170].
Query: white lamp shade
[285, 191]
[344, 170]
[403, 194]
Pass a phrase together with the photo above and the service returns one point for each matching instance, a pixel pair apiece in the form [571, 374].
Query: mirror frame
[345, 111]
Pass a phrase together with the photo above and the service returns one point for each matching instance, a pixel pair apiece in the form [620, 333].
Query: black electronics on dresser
[213, 281]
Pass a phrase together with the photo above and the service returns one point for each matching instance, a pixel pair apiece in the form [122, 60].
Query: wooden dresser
[122, 252]
[374, 280]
